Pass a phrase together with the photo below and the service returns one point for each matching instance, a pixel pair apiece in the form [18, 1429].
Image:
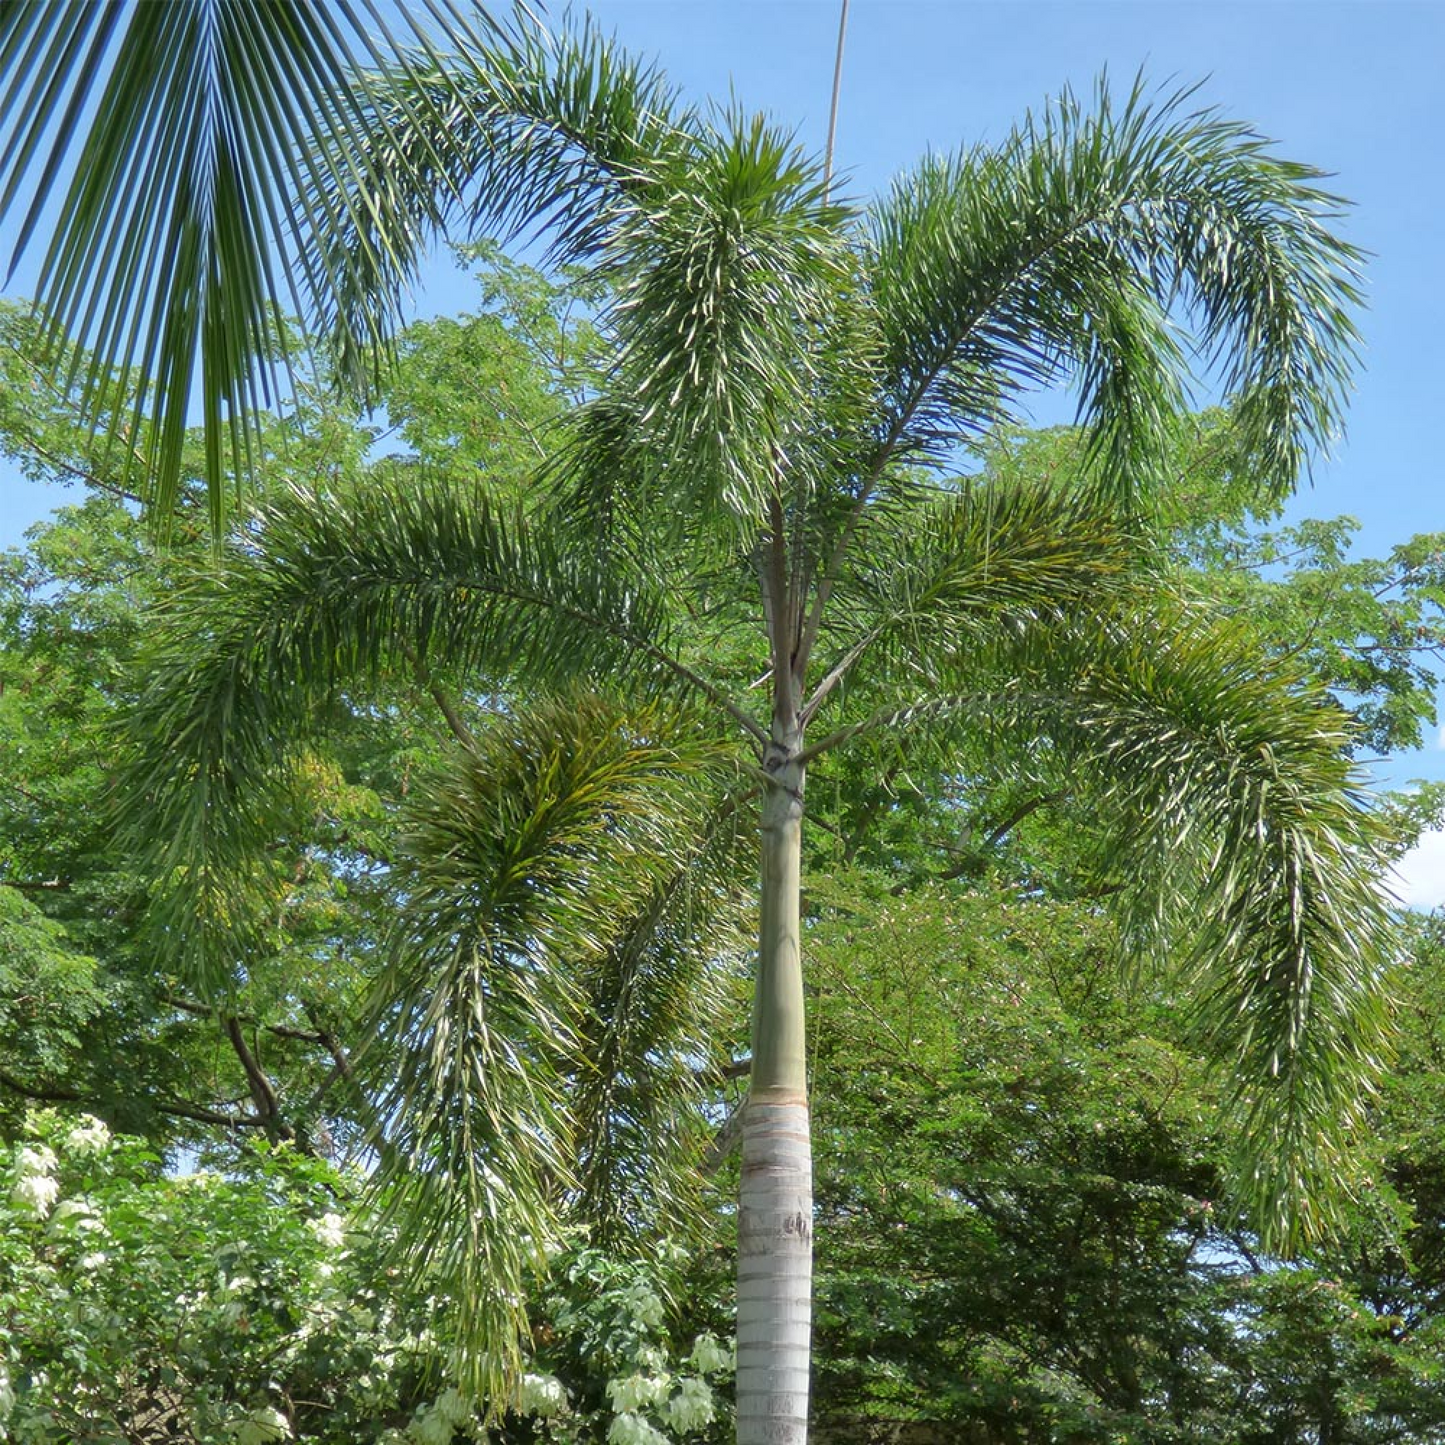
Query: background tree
[1026, 1230]
[905, 1314]
[91, 1023]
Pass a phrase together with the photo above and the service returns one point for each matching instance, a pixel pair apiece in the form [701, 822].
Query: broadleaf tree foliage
[761, 473]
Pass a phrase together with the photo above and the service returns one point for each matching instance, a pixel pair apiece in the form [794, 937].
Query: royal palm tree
[762, 478]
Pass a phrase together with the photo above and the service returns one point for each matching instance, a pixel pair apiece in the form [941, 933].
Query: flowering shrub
[248, 1309]
[610, 1348]
[141, 1305]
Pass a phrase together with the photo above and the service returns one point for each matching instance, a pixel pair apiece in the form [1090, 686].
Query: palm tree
[757, 481]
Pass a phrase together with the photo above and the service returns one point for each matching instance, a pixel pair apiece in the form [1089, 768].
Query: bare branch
[460, 731]
[725, 1141]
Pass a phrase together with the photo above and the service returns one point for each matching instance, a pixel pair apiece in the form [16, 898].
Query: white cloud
[1420, 874]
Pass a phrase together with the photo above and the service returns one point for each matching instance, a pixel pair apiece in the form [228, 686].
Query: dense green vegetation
[1026, 1230]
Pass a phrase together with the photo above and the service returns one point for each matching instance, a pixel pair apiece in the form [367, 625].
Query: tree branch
[205, 1011]
[40, 1095]
[425, 677]
[263, 1092]
[173, 1108]
[728, 1137]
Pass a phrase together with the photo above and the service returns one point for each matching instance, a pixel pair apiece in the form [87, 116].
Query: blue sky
[1357, 89]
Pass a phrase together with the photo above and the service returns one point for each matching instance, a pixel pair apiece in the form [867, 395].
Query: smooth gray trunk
[775, 1217]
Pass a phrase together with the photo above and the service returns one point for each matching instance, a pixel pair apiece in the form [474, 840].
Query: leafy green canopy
[1024, 1227]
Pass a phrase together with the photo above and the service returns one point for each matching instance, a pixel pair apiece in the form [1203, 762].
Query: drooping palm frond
[202, 147]
[1239, 825]
[520, 875]
[723, 252]
[1070, 251]
[1240, 847]
[653, 999]
[522, 132]
[727, 274]
[326, 592]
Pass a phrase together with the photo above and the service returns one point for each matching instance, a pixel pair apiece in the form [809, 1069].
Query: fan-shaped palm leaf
[218, 131]
[199, 150]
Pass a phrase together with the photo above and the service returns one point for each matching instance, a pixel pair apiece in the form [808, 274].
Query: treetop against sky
[1349, 87]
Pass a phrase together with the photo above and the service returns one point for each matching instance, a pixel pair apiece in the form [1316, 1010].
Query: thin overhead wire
[833, 109]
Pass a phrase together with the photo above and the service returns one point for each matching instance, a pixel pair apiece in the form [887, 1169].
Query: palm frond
[969, 565]
[724, 265]
[1072, 250]
[1243, 852]
[1243, 828]
[521, 132]
[326, 593]
[726, 274]
[517, 873]
[221, 142]
[652, 1001]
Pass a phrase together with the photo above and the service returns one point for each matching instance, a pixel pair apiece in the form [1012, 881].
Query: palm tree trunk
[775, 1218]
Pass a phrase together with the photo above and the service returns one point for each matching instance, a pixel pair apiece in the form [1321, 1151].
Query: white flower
[36, 1192]
[89, 1263]
[7, 1394]
[692, 1407]
[36, 1161]
[77, 1214]
[646, 1307]
[630, 1429]
[89, 1137]
[543, 1395]
[708, 1355]
[638, 1391]
[330, 1231]
[261, 1427]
